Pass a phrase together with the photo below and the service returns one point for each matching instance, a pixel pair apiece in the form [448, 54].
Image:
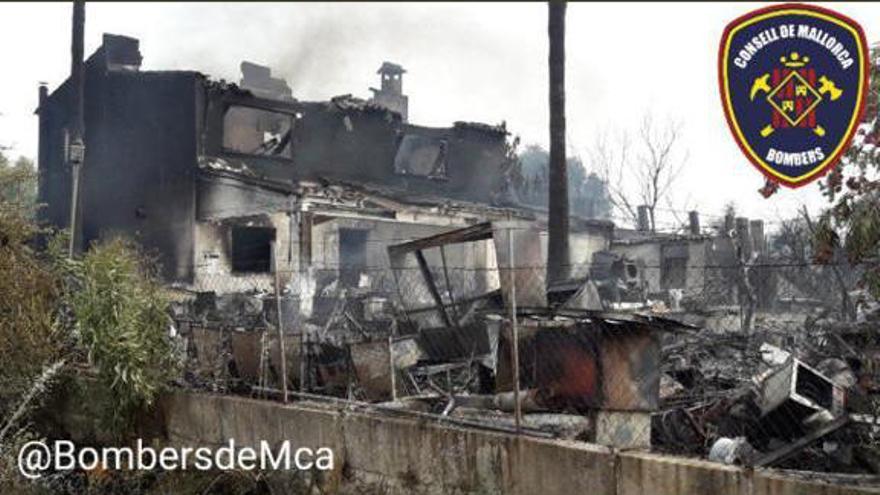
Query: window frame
[235, 268]
[443, 144]
[293, 115]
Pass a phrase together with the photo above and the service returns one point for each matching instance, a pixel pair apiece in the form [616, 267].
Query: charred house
[226, 183]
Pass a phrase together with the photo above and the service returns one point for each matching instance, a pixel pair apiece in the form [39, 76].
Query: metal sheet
[586, 364]
[372, 366]
[526, 273]
[455, 343]
[246, 348]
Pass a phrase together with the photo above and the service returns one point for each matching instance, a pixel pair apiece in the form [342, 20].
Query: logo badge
[793, 80]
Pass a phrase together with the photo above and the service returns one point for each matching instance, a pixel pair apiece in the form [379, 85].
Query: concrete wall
[582, 245]
[415, 456]
[650, 253]
[141, 140]
[213, 266]
[466, 262]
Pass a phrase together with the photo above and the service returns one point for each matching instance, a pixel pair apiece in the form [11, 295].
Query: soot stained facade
[217, 179]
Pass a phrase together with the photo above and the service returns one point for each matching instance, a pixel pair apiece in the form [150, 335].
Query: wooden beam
[473, 233]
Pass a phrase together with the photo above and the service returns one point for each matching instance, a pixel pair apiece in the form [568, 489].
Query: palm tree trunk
[558, 263]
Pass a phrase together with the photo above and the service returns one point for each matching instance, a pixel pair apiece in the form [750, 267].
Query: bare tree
[557, 249]
[609, 160]
[641, 171]
[847, 309]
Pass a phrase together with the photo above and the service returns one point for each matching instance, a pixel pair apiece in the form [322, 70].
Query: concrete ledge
[655, 474]
[767, 482]
[414, 456]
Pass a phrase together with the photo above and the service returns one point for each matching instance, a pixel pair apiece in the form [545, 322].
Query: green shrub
[120, 317]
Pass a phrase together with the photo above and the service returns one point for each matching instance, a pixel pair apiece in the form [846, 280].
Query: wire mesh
[766, 358]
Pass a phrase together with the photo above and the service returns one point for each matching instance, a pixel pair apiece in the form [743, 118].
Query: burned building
[668, 261]
[222, 180]
[698, 266]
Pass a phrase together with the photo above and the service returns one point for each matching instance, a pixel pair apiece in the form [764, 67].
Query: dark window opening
[421, 156]
[252, 249]
[673, 273]
[352, 256]
[254, 131]
[673, 269]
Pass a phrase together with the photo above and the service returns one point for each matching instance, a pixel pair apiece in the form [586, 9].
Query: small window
[673, 269]
[254, 131]
[673, 273]
[352, 256]
[252, 249]
[421, 156]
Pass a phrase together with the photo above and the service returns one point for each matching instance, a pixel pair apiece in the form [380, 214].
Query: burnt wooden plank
[473, 233]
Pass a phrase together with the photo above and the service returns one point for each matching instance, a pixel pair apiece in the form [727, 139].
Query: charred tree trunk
[558, 263]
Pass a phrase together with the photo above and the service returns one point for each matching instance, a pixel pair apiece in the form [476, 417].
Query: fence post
[517, 407]
[280, 324]
[391, 366]
[303, 359]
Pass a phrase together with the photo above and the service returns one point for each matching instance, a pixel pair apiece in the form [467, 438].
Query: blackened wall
[145, 133]
[141, 154]
[475, 159]
[360, 144]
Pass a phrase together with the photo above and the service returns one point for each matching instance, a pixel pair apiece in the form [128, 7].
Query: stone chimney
[728, 224]
[644, 219]
[390, 95]
[694, 222]
[121, 53]
[258, 80]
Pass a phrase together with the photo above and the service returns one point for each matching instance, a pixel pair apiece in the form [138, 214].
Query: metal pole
[303, 359]
[263, 365]
[391, 365]
[76, 144]
[517, 407]
[74, 202]
[280, 325]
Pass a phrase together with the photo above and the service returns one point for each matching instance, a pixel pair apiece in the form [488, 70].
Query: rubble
[727, 389]
[793, 392]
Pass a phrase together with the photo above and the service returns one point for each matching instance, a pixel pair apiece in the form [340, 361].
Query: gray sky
[465, 61]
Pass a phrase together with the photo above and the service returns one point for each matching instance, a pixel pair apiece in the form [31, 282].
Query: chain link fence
[737, 362]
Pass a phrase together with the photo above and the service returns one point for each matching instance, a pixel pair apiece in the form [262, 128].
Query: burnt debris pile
[796, 390]
[795, 393]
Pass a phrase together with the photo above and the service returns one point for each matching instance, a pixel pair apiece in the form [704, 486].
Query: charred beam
[473, 233]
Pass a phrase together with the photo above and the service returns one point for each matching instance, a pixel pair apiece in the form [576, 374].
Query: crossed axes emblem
[802, 88]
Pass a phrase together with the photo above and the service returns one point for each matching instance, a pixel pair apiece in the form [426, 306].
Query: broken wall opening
[673, 268]
[421, 156]
[251, 249]
[352, 255]
[255, 131]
